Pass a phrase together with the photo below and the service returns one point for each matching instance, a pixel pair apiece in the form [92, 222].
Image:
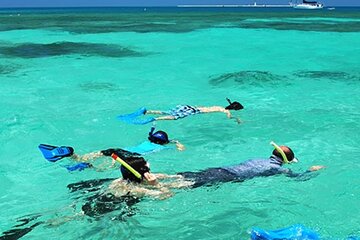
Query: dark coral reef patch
[37, 50]
[246, 77]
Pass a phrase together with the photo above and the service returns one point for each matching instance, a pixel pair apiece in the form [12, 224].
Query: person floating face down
[180, 111]
[236, 173]
[261, 167]
[158, 141]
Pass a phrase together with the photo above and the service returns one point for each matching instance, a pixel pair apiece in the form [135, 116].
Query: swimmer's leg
[169, 117]
[209, 177]
[87, 157]
[157, 112]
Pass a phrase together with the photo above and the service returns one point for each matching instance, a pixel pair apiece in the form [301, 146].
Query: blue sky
[83, 3]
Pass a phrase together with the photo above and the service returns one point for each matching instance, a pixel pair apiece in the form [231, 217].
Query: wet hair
[137, 163]
[159, 137]
[234, 105]
[288, 152]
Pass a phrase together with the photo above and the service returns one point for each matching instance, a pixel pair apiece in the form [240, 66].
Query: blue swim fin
[142, 121]
[53, 153]
[79, 166]
[132, 118]
[294, 232]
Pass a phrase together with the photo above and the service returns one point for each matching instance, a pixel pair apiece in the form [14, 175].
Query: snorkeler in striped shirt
[180, 111]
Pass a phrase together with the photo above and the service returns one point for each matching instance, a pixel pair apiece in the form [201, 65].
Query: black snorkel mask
[234, 105]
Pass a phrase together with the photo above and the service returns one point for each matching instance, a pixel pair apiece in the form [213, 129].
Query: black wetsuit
[243, 171]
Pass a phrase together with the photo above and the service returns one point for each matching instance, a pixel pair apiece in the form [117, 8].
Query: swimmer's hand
[180, 146]
[316, 168]
[150, 178]
[237, 120]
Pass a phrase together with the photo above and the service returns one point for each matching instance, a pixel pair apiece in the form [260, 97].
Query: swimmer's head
[289, 154]
[158, 137]
[137, 163]
[234, 105]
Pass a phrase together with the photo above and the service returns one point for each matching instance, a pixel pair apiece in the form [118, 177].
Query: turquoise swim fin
[132, 118]
[53, 153]
[293, 232]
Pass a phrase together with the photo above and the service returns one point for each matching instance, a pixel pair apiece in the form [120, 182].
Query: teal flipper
[294, 232]
[132, 118]
[53, 153]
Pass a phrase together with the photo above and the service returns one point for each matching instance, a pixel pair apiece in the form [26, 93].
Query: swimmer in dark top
[157, 141]
[182, 111]
[251, 169]
[237, 173]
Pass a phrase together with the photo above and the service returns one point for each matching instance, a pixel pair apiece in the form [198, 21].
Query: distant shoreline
[235, 6]
[175, 6]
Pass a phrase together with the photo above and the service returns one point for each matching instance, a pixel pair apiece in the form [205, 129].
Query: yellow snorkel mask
[280, 151]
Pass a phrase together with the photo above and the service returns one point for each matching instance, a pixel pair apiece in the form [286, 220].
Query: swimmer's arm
[219, 109]
[162, 193]
[179, 146]
[304, 176]
[215, 109]
[166, 176]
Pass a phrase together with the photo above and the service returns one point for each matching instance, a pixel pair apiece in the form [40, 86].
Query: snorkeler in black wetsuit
[251, 169]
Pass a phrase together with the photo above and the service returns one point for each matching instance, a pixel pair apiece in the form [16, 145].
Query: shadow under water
[254, 78]
[95, 203]
[331, 75]
[98, 86]
[7, 69]
[36, 50]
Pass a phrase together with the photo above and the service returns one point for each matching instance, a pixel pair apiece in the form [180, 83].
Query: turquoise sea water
[66, 74]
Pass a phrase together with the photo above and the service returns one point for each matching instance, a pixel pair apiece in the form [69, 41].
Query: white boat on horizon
[308, 5]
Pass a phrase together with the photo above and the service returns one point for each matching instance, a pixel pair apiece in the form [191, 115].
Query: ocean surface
[65, 75]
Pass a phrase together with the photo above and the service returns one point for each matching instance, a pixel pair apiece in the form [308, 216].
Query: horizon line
[140, 6]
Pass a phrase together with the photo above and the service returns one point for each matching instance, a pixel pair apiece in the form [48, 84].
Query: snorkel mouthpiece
[228, 100]
[280, 151]
[151, 131]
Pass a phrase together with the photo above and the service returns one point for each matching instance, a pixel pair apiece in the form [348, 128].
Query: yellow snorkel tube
[126, 165]
[280, 151]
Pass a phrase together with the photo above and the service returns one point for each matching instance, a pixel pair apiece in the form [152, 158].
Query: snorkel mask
[128, 172]
[126, 165]
[234, 105]
[283, 155]
[159, 137]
